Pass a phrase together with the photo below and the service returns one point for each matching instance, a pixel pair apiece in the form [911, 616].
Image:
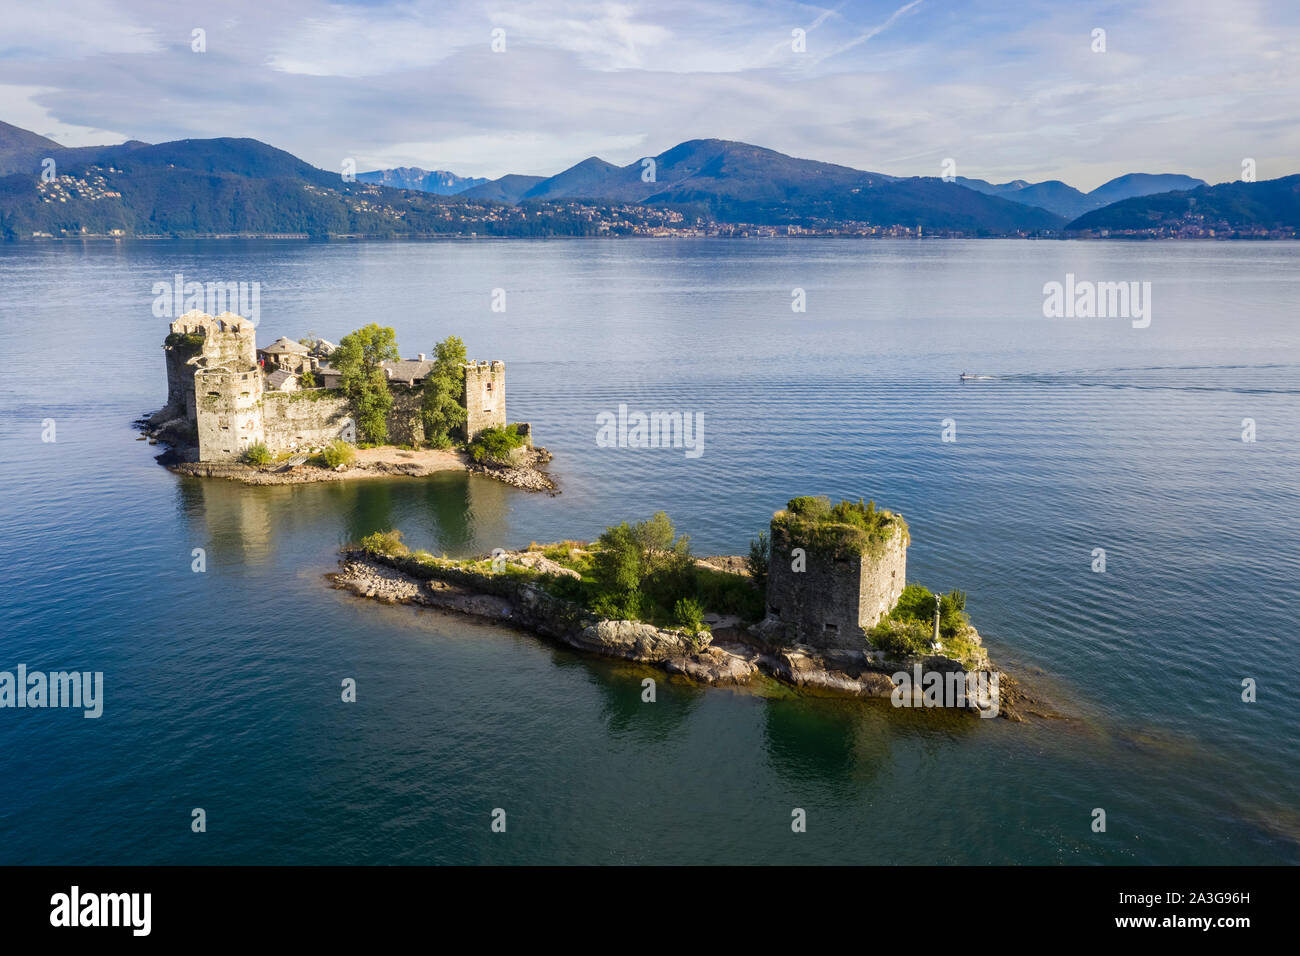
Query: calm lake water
[222, 689]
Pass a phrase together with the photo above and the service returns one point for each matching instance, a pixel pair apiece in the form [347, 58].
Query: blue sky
[1006, 89]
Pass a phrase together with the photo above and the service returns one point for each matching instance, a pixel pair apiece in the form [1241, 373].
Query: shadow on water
[621, 688]
[832, 740]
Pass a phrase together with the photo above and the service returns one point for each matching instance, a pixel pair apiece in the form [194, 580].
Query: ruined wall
[405, 424]
[484, 396]
[309, 419]
[834, 600]
[303, 420]
[882, 582]
[180, 383]
[229, 417]
[229, 341]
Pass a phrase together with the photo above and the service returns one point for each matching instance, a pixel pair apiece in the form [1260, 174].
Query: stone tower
[842, 583]
[213, 382]
[485, 397]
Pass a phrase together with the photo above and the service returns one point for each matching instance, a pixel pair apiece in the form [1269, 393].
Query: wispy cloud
[1009, 88]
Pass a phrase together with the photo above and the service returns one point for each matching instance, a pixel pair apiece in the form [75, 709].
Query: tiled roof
[278, 378]
[283, 344]
[408, 370]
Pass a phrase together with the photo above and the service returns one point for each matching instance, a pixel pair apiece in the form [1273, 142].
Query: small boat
[967, 377]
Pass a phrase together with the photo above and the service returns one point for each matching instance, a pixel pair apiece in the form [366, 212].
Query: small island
[820, 604]
[309, 410]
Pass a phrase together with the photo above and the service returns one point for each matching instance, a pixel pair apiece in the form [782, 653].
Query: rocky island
[309, 410]
[820, 604]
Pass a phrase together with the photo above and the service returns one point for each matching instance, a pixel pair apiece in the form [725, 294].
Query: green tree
[444, 387]
[759, 560]
[359, 359]
[647, 560]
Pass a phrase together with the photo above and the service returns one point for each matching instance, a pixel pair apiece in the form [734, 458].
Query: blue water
[223, 688]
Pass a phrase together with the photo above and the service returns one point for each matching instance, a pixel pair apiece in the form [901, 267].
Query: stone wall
[484, 396]
[228, 341]
[229, 417]
[303, 420]
[312, 418]
[834, 600]
[882, 582]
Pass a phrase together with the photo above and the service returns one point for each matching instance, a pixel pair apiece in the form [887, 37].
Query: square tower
[835, 571]
[484, 397]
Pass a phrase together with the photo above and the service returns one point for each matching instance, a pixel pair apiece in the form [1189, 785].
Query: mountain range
[243, 186]
[439, 182]
[1065, 200]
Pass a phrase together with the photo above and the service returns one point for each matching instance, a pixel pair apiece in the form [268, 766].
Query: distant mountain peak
[441, 182]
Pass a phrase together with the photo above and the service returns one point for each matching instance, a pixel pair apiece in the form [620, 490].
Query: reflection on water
[1201, 531]
[236, 526]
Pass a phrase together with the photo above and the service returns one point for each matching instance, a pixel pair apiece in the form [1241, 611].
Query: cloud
[1008, 89]
[78, 28]
[21, 108]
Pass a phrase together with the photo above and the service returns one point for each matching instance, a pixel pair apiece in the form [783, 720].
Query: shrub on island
[909, 627]
[494, 445]
[337, 453]
[257, 454]
[385, 542]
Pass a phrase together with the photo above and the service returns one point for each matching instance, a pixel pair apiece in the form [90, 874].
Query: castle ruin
[229, 395]
[829, 582]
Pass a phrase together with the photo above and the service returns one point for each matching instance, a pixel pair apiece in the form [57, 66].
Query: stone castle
[230, 394]
[827, 592]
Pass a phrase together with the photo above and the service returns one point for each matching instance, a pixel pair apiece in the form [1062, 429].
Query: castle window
[832, 628]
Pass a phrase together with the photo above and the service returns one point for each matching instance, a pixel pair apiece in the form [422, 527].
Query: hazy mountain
[707, 169]
[226, 185]
[439, 181]
[1141, 184]
[1228, 209]
[738, 182]
[22, 150]
[1054, 195]
[507, 189]
[1065, 200]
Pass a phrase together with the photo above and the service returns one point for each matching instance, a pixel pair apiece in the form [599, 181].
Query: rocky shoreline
[181, 457]
[730, 655]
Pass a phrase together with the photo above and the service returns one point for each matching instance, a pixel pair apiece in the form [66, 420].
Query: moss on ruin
[848, 528]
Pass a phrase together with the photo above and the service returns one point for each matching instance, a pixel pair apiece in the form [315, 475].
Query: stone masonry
[485, 396]
[835, 599]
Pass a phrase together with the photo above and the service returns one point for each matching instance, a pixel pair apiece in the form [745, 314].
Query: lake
[222, 688]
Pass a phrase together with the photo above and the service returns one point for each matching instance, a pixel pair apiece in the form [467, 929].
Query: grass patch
[847, 528]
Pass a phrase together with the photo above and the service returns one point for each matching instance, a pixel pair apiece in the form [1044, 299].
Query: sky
[1005, 90]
